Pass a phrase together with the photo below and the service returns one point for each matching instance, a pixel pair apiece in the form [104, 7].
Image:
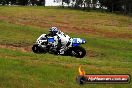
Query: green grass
[11, 33]
[109, 47]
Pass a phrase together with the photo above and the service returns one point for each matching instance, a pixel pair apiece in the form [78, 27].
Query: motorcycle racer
[56, 42]
[62, 41]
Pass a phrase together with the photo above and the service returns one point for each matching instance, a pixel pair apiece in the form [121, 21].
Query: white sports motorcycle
[44, 44]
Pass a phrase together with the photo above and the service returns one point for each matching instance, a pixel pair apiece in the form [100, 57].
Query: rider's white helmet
[53, 29]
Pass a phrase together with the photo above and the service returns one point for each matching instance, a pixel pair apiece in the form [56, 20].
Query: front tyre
[79, 52]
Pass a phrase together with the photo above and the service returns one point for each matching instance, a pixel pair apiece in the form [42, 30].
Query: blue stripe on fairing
[75, 44]
[74, 40]
[51, 40]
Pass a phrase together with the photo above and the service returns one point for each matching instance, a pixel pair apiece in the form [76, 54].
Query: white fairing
[40, 39]
[64, 38]
[56, 41]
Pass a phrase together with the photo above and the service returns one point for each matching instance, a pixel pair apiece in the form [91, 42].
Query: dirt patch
[61, 81]
[69, 28]
[91, 53]
[107, 34]
[3, 18]
[19, 48]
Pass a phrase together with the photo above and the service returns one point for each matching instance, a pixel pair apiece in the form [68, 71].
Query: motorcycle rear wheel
[79, 52]
[35, 48]
[38, 49]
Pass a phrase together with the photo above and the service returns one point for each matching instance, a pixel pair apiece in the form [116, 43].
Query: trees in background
[37, 2]
[85, 4]
[124, 6]
[23, 2]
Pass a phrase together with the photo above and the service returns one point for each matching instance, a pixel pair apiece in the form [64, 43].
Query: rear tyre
[39, 49]
[79, 52]
[35, 48]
